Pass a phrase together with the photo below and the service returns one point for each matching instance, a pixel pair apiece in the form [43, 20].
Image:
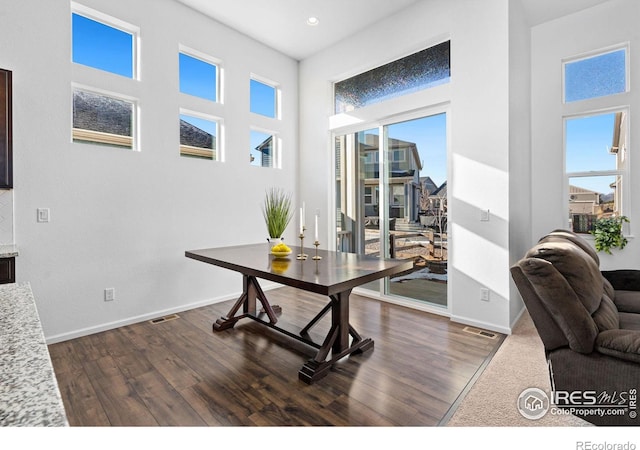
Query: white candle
[304, 213]
[301, 221]
[316, 228]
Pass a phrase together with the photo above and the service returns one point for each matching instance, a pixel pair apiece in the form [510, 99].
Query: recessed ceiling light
[313, 21]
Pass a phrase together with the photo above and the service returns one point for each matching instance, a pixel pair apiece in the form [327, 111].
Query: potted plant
[277, 213]
[608, 233]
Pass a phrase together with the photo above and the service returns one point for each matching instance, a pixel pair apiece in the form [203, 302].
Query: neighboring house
[435, 197]
[619, 148]
[265, 150]
[101, 119]
[583, 201]
[192, 136]
[98, 118]
[428, 185]
[404, 179]
[100, 113]
[433, 204]
[586, 206]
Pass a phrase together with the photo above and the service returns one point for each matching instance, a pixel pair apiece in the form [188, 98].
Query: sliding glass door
[391, 200]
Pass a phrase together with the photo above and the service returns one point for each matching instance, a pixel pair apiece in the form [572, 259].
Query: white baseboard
[400, 301]
[143, 317]
[480, 324]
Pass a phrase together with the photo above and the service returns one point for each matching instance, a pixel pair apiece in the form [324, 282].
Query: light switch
[43, 215]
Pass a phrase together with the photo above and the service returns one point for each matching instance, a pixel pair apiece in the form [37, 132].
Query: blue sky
[430, 136]
[103, 47]
[588, 140]
[197, 77]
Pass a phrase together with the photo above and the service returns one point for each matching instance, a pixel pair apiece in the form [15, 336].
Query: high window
[103, 42]
[200, 128]
[103, 119]
[198, 76]
[108, 44]
[596, 167]
[198, 136]
[263, 99]
[596, 138]
[263, 149]
[421, 70]
[595, 76]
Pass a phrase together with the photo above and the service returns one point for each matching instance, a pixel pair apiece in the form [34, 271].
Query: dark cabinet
[6, 144]
[7, 270]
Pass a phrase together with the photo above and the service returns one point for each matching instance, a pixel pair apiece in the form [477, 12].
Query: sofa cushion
[562, 303]
[627, 301]
[577, 267]
[623, 279]
[606, 317]
[608, 289]
[629, 321]
[623, 344]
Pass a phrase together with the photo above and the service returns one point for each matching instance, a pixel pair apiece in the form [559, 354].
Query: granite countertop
[8, 250]
[29, 393]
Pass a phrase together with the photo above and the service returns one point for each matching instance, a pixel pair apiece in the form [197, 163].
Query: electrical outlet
[44, 215]
[485, 215]
[484, 294]
[109, 294]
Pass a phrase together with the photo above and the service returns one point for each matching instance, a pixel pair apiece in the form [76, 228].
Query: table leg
[337, 341]
[251, 291]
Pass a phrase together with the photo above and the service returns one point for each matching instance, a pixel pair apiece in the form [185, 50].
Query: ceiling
[281, 24]
[540, 11]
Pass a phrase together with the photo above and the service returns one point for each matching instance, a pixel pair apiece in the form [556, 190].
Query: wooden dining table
[332, 274]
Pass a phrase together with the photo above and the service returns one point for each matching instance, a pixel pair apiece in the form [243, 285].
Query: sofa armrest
[622, 344]
[623, 280]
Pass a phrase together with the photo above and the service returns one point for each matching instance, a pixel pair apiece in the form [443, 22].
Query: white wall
[519, 143]
[611, 23]
[478, 101]
[124, 219]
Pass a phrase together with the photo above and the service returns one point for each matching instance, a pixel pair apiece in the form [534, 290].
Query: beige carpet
[517, 365]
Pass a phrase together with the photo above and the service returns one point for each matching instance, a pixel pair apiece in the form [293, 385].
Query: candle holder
[317, 258]
[302, 255]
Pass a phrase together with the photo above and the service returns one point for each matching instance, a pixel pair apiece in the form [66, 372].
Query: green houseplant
[277, 211]
[608, 233]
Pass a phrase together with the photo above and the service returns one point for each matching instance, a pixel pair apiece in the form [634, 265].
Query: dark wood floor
[181, 373]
